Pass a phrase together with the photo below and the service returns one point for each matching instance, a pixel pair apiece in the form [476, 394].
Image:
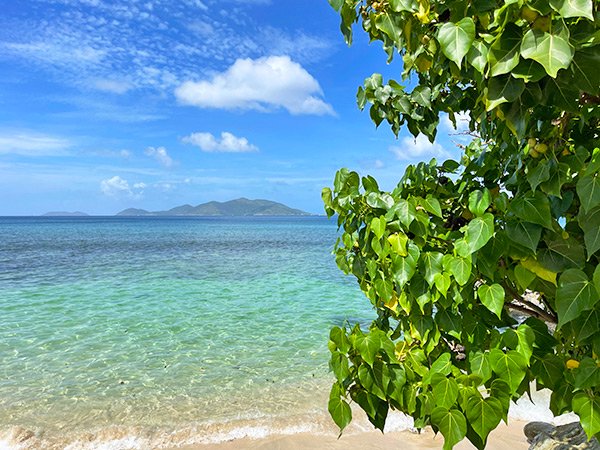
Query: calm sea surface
[152, 327]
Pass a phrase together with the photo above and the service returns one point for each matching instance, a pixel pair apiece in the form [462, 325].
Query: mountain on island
[232, 208]
[65, 214]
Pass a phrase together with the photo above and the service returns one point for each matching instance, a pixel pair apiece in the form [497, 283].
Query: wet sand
[505, 437]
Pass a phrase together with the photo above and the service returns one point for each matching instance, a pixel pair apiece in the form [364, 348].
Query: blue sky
[152, 104]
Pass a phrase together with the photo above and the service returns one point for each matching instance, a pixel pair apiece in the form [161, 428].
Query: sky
[152, 104]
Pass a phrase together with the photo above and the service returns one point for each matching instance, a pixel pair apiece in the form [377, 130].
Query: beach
[505, 437]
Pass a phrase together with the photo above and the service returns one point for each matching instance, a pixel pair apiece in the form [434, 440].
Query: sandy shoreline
[505, 437]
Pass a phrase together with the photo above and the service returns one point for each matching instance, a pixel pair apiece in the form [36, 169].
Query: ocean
[147, 332]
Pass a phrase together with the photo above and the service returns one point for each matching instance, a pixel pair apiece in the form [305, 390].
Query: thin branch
[540, 315]
[532, 308]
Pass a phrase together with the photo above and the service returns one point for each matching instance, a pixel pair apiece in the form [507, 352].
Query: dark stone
[544, 436]
[532, 429]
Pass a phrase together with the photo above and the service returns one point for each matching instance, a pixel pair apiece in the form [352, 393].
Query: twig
[531, 307]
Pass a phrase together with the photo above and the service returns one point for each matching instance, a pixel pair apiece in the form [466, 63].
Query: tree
[484, 272]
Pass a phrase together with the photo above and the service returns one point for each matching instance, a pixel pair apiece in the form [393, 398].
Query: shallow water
[166, 323]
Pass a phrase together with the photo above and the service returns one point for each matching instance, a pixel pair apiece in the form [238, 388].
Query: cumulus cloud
[32, 144]
[227, 144]
[419, 148]
[161, 155]
[115, 186]
[263, 84]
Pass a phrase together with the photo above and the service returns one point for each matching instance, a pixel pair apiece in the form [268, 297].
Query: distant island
[65, 214]
[232, 208]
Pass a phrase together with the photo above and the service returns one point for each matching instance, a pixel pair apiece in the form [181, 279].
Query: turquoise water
[145, 324]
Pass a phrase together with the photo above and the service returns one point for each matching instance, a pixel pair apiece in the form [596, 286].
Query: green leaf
[442, 282]
[445, 393]
[509, 366]
[404, 267]
[562, 254]
[456, 38]
[479, 232]
[526, 339]
[574, 8]
[336, 4]
[402, 210]
[339, 366]
[553, 52]
[588, 190]
[432, 205]
[524, 276]
[539, 174]
[587, 375]
[504, 52]
[386, 23]
[533, 208]
[500, 390]
[480, 365]
[379, 201]
[492, 297]
[398, 242]
[559, 175]
[337, 335]
[384, 288]
[431, 262]
[524, 233]
[378, 226]
[503, 89]
[574, 295]
[479, 202]
[548, 370]
[449, 322]
[587, 407]
[587, 325]
[451, 423]
[403, 5]
[338, 408]
[529, 71]
[373, 379]
[478, 56]
[368, 346]
[561, 94]
[422, 96]
[484, 415]
[585, 64]
[460, 268]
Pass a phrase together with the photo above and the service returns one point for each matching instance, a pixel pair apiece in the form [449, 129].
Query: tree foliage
[484, 272]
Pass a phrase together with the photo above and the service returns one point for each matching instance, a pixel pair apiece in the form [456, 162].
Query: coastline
[505, 437]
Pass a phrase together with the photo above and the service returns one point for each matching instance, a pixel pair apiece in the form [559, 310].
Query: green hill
[232, 208]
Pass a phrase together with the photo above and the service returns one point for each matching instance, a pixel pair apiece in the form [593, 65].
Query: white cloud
[227, 144]
[161, 155]
[263, 84]
[378, 164]
[118, 187]
[112, 86]
[32, 144]
[115, 186]
[419, 148]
